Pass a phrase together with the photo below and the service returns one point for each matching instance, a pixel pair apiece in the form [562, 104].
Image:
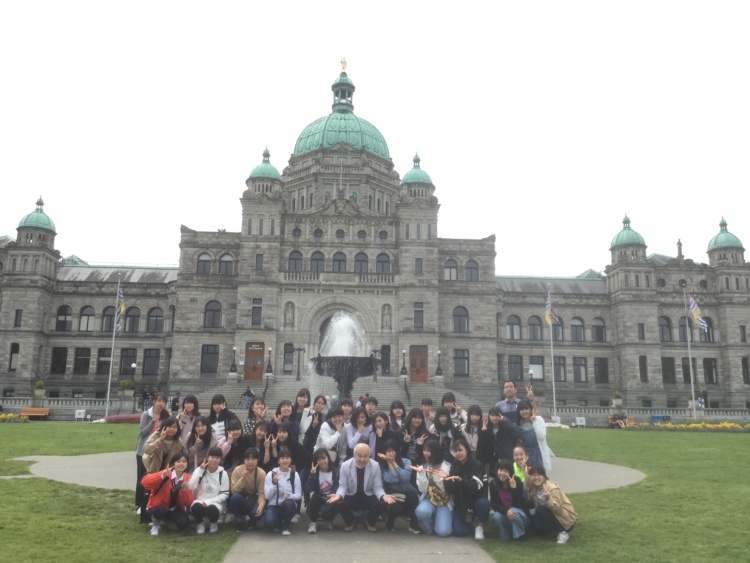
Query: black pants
[405, 508]
[365, 503]
[318, 506]
[140, 473]
[200, 512]
[177, 515]
[544, 521]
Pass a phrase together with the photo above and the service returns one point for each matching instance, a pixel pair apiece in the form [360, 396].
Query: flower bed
[10, 417]
[121, 418]
[692, 426]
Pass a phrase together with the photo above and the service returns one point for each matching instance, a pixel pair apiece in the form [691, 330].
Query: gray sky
[541, 122]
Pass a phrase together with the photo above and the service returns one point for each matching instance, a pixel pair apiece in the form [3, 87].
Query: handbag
[438, 497]
[468, 515]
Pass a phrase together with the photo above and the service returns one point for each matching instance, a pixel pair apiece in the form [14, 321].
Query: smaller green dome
[724, 239]
[265, 169]
[416, 175]
[38, 219]
[627, 236]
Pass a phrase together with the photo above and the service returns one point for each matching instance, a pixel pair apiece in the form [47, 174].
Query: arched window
[155, 320]
[472, 271]
[535, 328]
[684, 323]
[577, 330]
[708, 334]
[132, 319]
[64, 319]
[204, 264]
[361, 263]
[318, 233]
[460, 319]
[108, 319]
[226, 265]
[598, 332]
[665, 329]
[339, 262]
[513, 326]
[383, 264]
[212, 317]
[297, 232]
[295, 261]
[450, 270]
[558, 331]
[86, 321]
[361, 234]
[317, 262]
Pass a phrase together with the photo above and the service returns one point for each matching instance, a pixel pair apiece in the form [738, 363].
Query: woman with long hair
[435, 508]
[381, 427]
[445, 432]
[359, 430]
[397, 474]
[553, 512]
[312, 419]
[201, 440]
[220, 416]
[468, 483]
[150, 420]
[284, 412]
[470, 429]
[413, 435]
[187, 417]
[532, 431]
[397, 415]
[255, 415]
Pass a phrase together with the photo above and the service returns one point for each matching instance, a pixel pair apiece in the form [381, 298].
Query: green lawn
[692, 506]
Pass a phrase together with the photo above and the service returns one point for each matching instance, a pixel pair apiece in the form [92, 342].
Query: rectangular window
[249, 226]
[210, 358]
[151, 361]
[406, 231]
[417, 265]
[288, 358]
[686, 370]
[419, 231]
[77, 394]
[385, 359]
[601, 370]
[667, 370]
[82, 361]
[643, 368]
[128, 357]
[461, 363]
[258, 262]
[709, 371]
[418, 315]
[579, 370]
[557, 332]
[515, 368]
[19, 318]
[429, 231]
[536, 367]
[273, 227]
[167, 360]
[746, 370]
[646, 403]
[260, 227]
[637, 281]
[641, 331]
[560, 369]
[59, 360]
[15, 352]
[102, 362]
[743, 334]
[256, 312]
[8, 392]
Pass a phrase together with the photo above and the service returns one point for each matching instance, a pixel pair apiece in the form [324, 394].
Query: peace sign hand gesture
[512, 482]
[484, 426]
[530, 392]
[314, 469]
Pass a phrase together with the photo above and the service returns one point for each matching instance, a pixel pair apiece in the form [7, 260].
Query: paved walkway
[117, 471]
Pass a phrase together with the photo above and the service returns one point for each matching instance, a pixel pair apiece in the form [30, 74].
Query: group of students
[444, 470]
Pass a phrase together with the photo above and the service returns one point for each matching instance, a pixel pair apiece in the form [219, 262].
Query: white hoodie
[275, 492]
[211, 488]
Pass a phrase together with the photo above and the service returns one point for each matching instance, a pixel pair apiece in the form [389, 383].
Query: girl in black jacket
[321, 484]
[445, 432]
[468, 484]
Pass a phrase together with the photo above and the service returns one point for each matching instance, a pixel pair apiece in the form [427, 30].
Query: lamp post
[269, 367]
[439, 370]
[233, 367]
[403, 362]
[132, 366]
[299, 351]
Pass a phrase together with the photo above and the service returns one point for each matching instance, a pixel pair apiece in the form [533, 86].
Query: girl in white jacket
[283, 489]
[210, 485]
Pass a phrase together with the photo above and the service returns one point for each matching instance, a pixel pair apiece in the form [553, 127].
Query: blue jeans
[509, 527]
[435, 518]
[241, 505]
[279, 516]
[481, 512]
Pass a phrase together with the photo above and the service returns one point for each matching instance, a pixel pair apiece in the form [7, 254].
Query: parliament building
[340, 229]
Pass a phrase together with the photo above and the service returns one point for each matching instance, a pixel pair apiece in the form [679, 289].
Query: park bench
[34, 412]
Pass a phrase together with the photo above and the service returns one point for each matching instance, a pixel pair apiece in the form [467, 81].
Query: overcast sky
[540, 122]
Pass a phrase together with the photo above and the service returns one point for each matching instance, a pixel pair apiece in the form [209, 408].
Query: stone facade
[339, 230]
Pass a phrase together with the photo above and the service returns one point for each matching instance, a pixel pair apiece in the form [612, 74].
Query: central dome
[342, 126]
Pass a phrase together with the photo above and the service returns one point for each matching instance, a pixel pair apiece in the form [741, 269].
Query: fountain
[345, 352]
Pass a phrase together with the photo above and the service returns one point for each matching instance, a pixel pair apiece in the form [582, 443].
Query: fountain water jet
[345, 352]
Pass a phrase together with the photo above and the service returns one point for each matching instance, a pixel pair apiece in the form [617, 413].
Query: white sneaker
[562, 537]
[214, 528]
[312, 528]
[479, 533]
[155, 530]
[138, 511]
[295, 518]
[201, 529]
[286, 533]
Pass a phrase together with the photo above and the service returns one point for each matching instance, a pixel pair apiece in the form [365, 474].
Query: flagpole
[112, 349]
[552, 352]
[690, 356]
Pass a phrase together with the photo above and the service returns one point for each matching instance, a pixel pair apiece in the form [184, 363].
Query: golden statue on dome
[343, 63]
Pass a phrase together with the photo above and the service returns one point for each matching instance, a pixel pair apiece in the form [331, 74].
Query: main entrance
[254, 356]
[418, 364]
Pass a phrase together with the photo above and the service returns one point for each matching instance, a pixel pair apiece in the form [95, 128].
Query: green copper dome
[265, 169]
[416, 175]
[627, 236]
[38, 219]
[342, 126]
[724, 239]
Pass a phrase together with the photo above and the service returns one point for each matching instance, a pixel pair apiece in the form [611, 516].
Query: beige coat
[249, 483]
[153, 452]
[558, 504]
